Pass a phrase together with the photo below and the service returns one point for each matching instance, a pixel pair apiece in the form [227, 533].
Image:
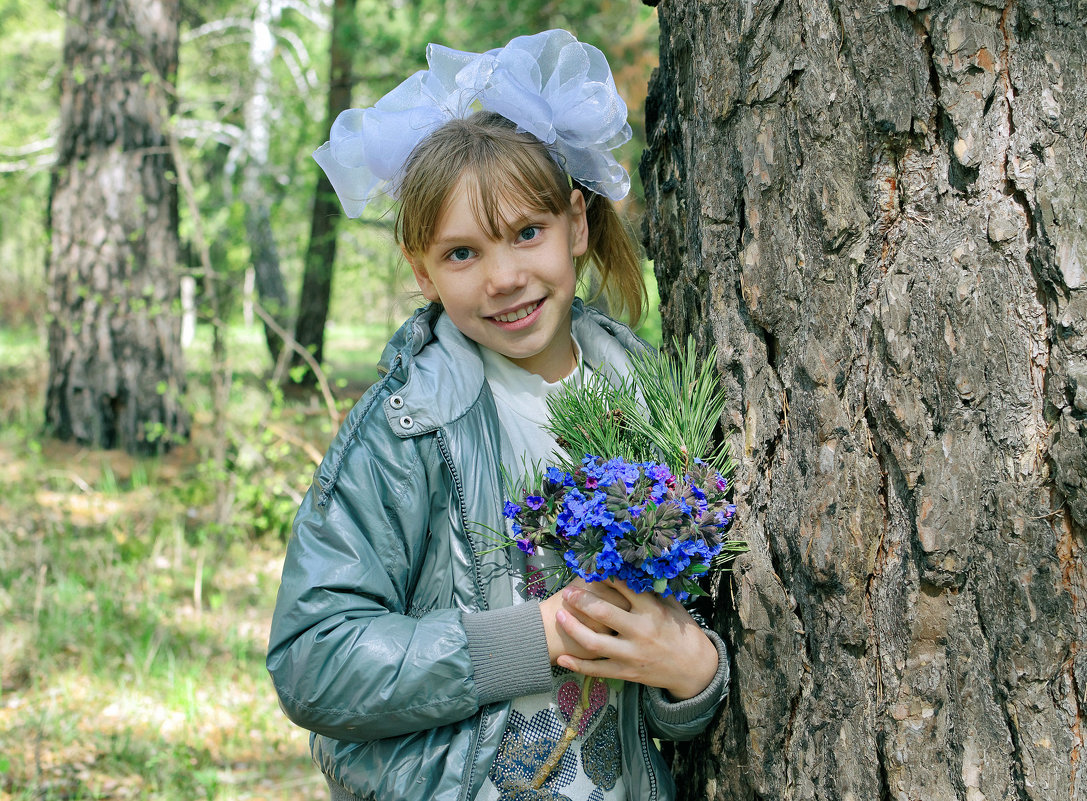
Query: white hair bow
[549, 84]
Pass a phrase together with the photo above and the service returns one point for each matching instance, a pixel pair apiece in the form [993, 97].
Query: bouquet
[643, 496]
[648, 500]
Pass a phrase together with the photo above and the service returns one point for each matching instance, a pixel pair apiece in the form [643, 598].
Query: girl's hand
[558, 641]
[653, 641]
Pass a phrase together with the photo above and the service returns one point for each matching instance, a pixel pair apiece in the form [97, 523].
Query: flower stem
[567, 736]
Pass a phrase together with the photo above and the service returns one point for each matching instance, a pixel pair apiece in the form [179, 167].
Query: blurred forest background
[135, 592]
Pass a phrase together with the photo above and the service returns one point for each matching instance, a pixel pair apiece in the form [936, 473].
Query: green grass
[134, 625]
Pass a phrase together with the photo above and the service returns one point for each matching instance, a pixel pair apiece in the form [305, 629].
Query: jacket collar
[428, 351]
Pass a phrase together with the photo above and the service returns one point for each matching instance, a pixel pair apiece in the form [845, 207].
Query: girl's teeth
[517, 315]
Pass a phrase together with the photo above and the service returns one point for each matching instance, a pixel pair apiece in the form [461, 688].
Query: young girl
[402, 638]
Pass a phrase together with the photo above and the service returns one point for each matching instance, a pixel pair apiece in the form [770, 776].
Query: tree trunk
[116, 373]
[313, 301]
[264, 256]
[875, 210]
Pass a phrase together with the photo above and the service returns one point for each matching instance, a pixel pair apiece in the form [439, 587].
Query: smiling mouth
[519, 314]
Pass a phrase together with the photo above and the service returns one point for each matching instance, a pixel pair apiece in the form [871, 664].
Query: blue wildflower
[619, 529]
[511, 510]
[559, 477]
[571, 560]
[608, 561]
[657, 472]
[534, 502]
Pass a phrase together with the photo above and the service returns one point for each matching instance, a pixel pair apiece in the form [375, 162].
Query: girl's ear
[422, 277]
[579, 224]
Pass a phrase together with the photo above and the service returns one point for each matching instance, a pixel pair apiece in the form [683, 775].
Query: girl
[401, 637]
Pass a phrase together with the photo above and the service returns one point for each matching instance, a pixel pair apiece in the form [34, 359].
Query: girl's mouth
[518, 314]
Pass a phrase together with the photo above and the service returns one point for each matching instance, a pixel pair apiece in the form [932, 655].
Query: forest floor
[135, 620]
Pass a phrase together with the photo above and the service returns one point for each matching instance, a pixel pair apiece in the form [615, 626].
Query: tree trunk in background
[115, 363]
[876, 211]
[313, 301]
[264, 257]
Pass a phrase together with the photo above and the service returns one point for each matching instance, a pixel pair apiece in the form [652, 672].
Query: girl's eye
[460, 254]
[528, 234]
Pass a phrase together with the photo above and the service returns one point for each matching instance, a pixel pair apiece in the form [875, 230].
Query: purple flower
[607, 511]
[657, 472]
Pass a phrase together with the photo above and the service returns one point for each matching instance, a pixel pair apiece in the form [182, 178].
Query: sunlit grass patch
[130, 689]
[134, 630]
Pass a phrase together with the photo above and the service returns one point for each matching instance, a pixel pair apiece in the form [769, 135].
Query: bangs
[508, 172]
[507, 184]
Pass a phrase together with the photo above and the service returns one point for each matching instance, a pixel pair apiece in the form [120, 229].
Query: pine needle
[667, 411]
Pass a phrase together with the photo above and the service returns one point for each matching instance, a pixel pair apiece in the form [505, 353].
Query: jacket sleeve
[347, 659]
[682, 720]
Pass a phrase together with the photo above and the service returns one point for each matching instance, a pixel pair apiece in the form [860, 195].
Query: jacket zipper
[448, 457]
[643, 741]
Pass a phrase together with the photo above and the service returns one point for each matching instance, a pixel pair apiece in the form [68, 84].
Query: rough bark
[875, 210]
[316, 294]
[116, 373]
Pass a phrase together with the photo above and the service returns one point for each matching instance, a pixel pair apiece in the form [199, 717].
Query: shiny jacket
[369, 649]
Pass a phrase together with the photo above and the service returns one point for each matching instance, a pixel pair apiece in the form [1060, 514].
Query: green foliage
[668, 410]
[135, 620]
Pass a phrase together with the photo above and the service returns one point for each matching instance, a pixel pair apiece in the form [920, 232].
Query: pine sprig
[666, 411]
[594, 417]
[683, 404]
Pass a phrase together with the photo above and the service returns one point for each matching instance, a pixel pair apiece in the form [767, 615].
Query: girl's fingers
[596, 644]
[587, 603]
[610, 593]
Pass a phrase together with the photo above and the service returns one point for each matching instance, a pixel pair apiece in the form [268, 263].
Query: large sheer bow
[549, 84]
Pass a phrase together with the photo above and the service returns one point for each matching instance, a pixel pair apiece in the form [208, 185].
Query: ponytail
[616, 257]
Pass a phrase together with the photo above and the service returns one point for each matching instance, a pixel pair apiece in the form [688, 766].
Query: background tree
[116, 371]
[316, 291]
[875, 210]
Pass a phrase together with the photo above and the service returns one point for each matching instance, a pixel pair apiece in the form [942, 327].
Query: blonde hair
[513, 168]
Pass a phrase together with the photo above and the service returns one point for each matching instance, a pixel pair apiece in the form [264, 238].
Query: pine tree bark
[116, 374]
[316, 293]
[875, 211]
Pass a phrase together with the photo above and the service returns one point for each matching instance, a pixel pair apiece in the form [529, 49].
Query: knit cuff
[508, 648]
[681, 712]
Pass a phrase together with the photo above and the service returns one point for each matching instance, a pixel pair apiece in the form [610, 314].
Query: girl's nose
[505, 276]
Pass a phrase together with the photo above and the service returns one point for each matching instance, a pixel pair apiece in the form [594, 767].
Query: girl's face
[511, 294]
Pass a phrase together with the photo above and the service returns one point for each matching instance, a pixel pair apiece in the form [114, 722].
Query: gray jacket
[395, 637]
